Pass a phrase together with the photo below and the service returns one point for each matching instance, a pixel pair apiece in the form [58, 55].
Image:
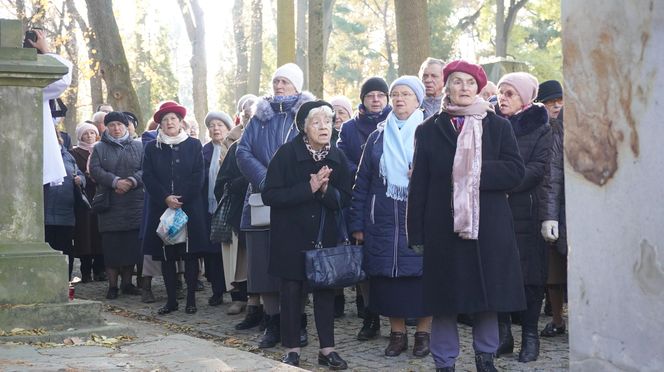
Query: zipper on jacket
[373, 205]
[395, 266]
[530, 195]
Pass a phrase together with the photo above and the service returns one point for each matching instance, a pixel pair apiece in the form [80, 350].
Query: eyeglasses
[401, 94]
[321, 124]
[376, 96]
[507, 94]
[555, 101]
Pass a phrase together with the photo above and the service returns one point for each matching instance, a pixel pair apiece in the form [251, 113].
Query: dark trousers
[240, 292]
[214, 270]
[291, 314]
[92, 264]
[445, 337]
[169, 272]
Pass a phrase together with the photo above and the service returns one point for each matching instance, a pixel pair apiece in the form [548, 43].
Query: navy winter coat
[381, 218]
[272, 125]
[354, 133]
[182, 167]
[59, 200]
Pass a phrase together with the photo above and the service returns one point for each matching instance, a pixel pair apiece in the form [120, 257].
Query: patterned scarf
[318, 155]
[467, 166]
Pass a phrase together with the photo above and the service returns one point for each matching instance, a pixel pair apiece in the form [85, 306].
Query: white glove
[550, 230]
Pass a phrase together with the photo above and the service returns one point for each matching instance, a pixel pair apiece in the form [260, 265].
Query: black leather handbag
[334, 267]
[220, 227]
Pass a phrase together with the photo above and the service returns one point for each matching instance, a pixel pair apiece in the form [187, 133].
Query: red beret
[169, 106]
[472, 69]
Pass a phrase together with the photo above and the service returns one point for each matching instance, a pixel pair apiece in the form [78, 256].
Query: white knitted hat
[293, 73]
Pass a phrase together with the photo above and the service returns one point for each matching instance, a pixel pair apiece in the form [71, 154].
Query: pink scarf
[467, 167]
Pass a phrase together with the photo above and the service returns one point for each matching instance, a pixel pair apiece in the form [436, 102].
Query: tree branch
[470, 20]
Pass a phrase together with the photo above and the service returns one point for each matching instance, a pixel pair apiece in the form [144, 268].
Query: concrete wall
[614, 148]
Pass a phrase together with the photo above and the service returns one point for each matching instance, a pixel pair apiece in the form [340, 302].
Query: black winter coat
[533, 135]
[295, 211]
[230, 174]
[182, 167]
[109, 160]
[552, 192]
[466, 276]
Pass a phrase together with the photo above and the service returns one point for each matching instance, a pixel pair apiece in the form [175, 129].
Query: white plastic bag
[172, 227]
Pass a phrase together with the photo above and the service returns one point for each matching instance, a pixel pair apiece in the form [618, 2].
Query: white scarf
[174, 140]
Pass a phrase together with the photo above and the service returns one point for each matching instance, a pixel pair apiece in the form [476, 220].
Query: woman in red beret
[466, 159]
[173, 173]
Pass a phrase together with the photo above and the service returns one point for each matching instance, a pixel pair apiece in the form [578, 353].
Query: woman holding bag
[173, 174]
[305, 177]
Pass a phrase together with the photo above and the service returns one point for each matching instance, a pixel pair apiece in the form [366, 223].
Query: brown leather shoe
[398, 343]
[421, 346]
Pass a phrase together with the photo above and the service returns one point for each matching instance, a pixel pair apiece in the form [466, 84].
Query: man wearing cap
[272, 125]
[431, 74]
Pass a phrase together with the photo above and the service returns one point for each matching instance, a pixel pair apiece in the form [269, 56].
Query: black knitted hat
[374, 83]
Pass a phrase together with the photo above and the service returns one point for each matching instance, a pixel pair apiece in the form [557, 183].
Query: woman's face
[342, 116]
[509, 99]
[318, 129]
[461, 88]
[89, 137]
[375, 101]
[171, 124]
[283, 87]
[217, 130]
[404, 101]
[116, 129]
[553, 107]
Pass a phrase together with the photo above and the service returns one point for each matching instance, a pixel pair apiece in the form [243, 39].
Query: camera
[30, 35]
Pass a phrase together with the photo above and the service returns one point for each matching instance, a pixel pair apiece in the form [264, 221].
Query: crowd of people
[452, 184]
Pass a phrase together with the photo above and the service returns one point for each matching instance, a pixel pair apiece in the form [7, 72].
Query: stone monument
[33, 277]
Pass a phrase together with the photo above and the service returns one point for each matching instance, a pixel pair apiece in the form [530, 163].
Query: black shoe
[190, 309]
[398, 344]
[167, 309]
[216, 300]
[552, 330]
[130, 289]
[304, 336]
[272, 334]
[529, 347]
[332, 360]
[505, 339]
[112, 293]
[445, 369]
[339, 305]
[484, 362]
[291, 358]
[370, 327]
[421, 344]
[252, 318]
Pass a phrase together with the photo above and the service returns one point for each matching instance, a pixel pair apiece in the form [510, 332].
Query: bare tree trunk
[412, 23]
[256, 47]
[316, 57]
[240, 50]
[504, 23]
[391, 70]
[71, 94]
[328, 6]
[193, 20]
[302, 40]
[285, 32]
[114, 67]
[96, 92]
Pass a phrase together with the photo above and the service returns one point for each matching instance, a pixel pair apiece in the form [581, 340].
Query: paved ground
[212, 323]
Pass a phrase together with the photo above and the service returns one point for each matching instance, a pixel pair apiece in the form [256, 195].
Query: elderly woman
[272, 125]
[174, 174]
[219, 125]
[115, 164]
[378, 214]
[343, 110]
[530, 122]
[305, 176]
[87, 240]
[466, 160]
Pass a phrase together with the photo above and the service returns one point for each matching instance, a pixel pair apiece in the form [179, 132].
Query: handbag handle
[341, 223]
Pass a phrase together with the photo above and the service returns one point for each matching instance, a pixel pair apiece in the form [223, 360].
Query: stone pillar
[30, 271]
[33, 277]
[614, 168]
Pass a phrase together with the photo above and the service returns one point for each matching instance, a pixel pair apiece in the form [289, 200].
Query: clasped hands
[173, 201]
[123, 185]
[320, 180]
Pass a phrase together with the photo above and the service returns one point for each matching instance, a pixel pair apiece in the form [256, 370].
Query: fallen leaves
[23, 332]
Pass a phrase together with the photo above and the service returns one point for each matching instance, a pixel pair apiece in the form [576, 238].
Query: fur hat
[293, 73]
[373, 84]
[412, 82]
[550, 89]
[471, 69]
[116, 116]
[219, 115]
[344, 103]
[524, 83]
[167, 107]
